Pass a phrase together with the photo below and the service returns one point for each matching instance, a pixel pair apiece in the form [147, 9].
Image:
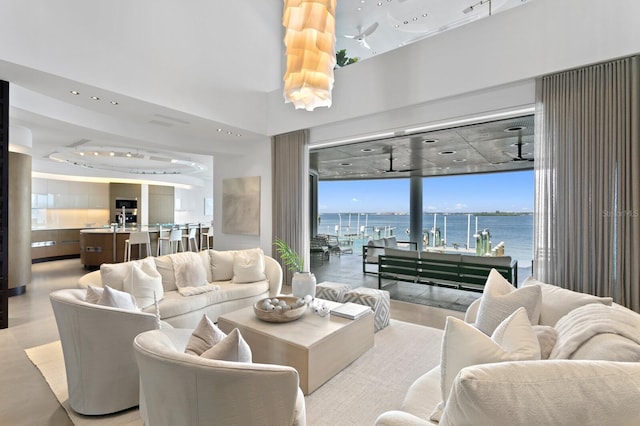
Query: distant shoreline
[497, 213]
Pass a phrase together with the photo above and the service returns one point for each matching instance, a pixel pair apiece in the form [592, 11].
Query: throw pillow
[463, 345]
[557, 301]
[547, 337]
[93, 294]
[204, 337]
[248, 266]
[500, 299]
[231, 348]
[113, 274]
[143, 281]
[221, 264]
[117, 299]
[188, 269]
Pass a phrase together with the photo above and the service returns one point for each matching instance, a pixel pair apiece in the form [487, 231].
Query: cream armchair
[177, 388]
[97, 343]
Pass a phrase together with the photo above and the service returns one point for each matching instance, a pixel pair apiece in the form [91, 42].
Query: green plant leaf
[290, 258]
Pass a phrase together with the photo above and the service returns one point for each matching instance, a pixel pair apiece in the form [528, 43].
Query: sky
[506, 192]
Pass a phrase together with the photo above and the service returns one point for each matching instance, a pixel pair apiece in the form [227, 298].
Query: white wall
[506, 49]
[189, 204]
[256, 162]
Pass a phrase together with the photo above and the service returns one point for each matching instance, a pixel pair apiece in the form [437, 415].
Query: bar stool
[191, 237]
[136, 238]
[176, 237]
[205, 237]
[162, 238]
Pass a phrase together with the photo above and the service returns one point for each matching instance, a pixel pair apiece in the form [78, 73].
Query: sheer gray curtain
[290, 172]
[587, 194]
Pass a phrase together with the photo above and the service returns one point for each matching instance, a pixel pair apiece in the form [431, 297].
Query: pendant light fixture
[310, 42]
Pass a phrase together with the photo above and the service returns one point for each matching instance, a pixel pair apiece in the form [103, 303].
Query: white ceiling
[189, 78]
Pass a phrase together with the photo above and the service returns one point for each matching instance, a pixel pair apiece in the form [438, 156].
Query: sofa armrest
[400, 418]
[91, 279]
[273, 271]
[549, 392]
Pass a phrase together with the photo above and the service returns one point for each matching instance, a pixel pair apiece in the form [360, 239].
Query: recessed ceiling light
[128, 154]
[74, 92]
[112, 154]
[397, 25]
[96, 153]
[114, 103]
[430, 140]
[95, 98]
[359, 9]
[81, 154]
[514, 128]
[367, 150]
[414, 18]
[379, 3]
[218, 130]
[229, 133]
[406, 22]
[459, 160]
[345, 164]
[238, 134]
[424, 15]
[446, 152]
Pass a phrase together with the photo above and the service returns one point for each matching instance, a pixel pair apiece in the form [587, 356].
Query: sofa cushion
[206, 262]
[231, 348]
[391, 242]
[248, 266]
[117, 299]
[143, 282]
[113, 274]
[221, 264]
[500, 299]
[374, 249]
[93, 294]
[557, 301]
[175, 304]
[464, 345]
[164, 265]
[550, 392]
[205, 336]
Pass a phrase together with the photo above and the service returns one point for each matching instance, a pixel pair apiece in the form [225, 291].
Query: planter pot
[303, 284]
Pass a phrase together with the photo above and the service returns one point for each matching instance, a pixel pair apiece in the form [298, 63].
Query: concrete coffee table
[317, 347]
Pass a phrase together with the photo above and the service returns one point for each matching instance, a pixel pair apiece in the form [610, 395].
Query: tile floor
[26, 398]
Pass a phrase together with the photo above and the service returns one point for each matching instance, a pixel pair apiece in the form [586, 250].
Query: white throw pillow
[188, 270]
[547, 337]
[205, 336]
[143, 281]
[231, 348]
[500, 299]
[93, 294]
[117, 299]
[113, 274]
[463, 345]
[557, 301]
[221, 264]
[248, 266]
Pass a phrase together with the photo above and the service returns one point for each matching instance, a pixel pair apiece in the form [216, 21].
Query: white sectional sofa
[581, 367]
[211, 281]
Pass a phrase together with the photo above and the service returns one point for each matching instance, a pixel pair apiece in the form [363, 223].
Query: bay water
[515, 231]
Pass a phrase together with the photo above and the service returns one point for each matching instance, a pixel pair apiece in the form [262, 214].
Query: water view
[514, 230]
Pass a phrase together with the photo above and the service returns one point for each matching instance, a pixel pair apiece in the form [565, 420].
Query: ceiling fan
[518, 157]
[361, 37]
[391, 169]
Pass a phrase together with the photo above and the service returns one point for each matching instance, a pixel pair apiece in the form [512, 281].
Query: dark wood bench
[444, 269]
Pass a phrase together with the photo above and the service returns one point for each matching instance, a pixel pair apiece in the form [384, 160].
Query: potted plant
[303, 282]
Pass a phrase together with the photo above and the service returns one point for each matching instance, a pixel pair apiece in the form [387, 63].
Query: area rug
[374, 383]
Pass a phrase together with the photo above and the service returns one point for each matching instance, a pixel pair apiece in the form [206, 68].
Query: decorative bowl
[279, 316]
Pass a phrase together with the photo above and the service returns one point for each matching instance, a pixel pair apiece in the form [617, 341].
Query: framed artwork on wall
[241, 206]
